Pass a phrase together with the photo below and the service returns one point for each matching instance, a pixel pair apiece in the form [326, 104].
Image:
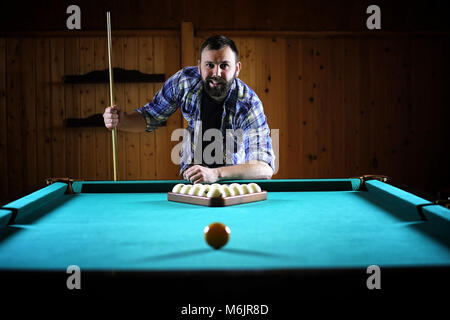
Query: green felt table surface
[134, 227]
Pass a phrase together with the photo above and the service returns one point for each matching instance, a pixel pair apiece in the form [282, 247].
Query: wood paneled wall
[35, 143]
[344, 106]
[348, 106]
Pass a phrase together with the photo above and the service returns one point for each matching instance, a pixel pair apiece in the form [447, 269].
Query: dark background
[302, 15]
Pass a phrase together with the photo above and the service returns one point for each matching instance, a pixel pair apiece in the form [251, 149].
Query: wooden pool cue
[111, 93]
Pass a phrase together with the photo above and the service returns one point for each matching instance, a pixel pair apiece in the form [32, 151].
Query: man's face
[218, 69]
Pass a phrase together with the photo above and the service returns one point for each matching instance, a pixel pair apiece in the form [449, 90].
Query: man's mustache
[215, 79]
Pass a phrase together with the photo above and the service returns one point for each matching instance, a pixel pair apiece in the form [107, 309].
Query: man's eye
[210, 65]
[223, 66]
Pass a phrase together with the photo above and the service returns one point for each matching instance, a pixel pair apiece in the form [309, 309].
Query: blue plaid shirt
[245, 132]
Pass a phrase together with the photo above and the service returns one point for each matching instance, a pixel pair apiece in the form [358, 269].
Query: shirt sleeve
[164, 103]
[256, 134]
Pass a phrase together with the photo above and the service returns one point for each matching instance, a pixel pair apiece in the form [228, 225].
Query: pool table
[310, 236]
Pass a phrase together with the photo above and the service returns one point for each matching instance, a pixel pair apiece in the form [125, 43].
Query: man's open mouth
[215, 83]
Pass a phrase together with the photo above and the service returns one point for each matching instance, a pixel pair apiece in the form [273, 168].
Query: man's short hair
[218, 42]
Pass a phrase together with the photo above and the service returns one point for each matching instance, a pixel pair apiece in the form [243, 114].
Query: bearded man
[215, 103]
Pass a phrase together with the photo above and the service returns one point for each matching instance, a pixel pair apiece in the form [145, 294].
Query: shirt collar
[231, 99]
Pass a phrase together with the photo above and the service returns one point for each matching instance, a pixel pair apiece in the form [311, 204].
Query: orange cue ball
[217, 234]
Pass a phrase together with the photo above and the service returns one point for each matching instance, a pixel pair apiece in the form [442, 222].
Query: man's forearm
[132, 122]
[250, 170]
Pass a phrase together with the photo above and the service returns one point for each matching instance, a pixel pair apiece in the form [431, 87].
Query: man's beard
[221, 89]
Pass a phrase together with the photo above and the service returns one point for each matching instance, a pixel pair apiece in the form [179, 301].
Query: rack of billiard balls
[216, 190]
[217, 195]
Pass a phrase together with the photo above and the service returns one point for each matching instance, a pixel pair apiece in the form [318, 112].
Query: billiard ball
[217, 234]
[214, 192]
[246, 189]
[254, 187]
[177, 188]
[227, 191]
[195, 189]
[185, 189]
[200, 191]
[205, 191]
[237, 188]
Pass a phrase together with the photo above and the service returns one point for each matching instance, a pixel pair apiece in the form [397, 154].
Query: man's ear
[238, 68]
[198, 67]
